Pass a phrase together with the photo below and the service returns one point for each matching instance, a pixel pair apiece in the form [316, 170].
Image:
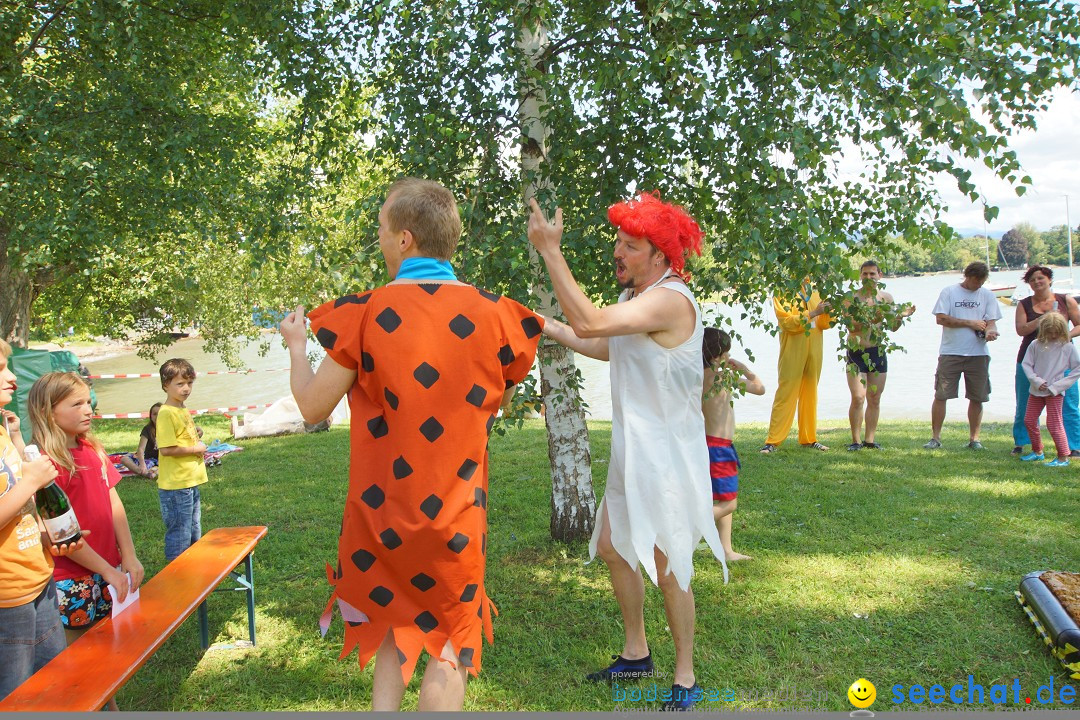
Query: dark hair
[978, 270]
[714, 343]
[151, 426]
[1038, 269]
[869, 263]
[177, 366]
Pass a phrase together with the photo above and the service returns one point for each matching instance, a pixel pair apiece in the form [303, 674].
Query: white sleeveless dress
[659, 491]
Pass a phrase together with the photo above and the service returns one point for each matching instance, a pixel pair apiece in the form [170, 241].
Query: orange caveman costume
[432, 364]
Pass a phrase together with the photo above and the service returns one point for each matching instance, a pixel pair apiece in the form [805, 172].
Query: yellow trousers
[799, 369]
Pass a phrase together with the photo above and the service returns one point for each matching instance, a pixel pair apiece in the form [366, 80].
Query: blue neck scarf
[425, 268]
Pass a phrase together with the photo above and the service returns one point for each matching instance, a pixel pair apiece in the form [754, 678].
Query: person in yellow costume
[798, 368]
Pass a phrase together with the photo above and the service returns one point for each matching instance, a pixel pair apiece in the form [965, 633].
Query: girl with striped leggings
[1045, 363]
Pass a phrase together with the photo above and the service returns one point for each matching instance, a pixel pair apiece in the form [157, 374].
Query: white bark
[573, 503]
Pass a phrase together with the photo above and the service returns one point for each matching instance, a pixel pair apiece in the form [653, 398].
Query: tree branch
[559, 46]
[188, 18]
[20, 166]
[37, 36]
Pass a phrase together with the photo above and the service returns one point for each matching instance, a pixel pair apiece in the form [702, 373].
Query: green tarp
[28, 366]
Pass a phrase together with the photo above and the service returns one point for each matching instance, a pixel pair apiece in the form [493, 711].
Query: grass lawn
[897, 566]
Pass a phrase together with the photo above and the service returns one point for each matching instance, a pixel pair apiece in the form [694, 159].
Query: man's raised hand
[545, 236]
[294, 328]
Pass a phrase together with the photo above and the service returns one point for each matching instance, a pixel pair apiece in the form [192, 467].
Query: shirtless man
[867, 365]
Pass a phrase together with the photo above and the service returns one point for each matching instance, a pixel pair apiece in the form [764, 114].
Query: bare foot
[735, 557]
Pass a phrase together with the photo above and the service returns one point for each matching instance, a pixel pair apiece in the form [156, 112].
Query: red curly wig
[666, 226]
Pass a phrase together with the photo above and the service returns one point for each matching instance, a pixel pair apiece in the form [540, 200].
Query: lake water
[908, 393]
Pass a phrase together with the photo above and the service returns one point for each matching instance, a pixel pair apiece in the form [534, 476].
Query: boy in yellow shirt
[180, 460]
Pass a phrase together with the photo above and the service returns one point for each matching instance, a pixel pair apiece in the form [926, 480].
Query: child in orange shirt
[30, 630]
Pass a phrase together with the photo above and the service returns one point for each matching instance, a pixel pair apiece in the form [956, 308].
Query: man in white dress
[657, 505]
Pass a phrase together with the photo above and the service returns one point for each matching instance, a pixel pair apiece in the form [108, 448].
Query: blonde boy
[180, 460]
[720, 430]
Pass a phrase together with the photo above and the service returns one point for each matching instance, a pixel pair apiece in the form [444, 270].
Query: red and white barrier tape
[127, 376]
[121, 416]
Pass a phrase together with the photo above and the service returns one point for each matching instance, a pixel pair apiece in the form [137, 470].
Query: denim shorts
[30, 636]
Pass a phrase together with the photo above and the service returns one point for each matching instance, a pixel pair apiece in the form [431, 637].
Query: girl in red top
[60, 411]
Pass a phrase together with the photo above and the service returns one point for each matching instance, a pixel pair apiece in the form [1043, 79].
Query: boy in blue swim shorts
[722, 372]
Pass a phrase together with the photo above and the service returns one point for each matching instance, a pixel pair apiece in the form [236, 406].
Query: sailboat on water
[1004, 293]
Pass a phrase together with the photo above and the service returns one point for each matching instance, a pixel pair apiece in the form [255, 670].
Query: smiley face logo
[862, 693]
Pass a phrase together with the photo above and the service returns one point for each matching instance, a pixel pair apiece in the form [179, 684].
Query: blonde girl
[1045, 364]
[60, 412]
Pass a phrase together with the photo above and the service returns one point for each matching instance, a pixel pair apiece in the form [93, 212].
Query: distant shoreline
[104, 348]
[99, 349]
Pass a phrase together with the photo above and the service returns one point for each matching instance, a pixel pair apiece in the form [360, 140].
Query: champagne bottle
[54, 508]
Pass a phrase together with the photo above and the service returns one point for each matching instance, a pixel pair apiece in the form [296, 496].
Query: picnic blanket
[214, 452]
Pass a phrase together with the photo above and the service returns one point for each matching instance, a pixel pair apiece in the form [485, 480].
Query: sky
[1050, 155]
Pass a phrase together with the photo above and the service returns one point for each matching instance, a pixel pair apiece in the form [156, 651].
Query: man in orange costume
[799, 367]
[427, 361]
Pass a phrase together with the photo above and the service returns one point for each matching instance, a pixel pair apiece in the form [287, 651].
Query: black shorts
[868, 360]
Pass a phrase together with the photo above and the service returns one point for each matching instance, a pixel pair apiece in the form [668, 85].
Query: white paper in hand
[119, 607]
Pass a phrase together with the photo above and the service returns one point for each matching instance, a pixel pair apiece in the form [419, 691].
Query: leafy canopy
[169, 157]
[743, 112]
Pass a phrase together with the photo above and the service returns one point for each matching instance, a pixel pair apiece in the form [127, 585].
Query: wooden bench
[84, 676]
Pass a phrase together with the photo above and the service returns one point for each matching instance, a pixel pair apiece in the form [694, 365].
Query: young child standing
[180, 460]
[1045, 363]
[720, 430]
[60, 411]
[144, 460]
[31, 633]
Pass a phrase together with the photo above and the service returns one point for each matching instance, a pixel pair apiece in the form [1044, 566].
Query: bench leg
[250, 597]
[204, 626]
[246, 583]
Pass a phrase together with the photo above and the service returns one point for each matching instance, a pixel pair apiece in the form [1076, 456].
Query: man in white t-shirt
[968, 314]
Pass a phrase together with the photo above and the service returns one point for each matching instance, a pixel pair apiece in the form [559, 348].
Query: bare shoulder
[679, 297]
[885, 297]
[676, 284]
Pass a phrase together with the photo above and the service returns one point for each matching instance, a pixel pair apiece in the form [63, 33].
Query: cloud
[1050, 155]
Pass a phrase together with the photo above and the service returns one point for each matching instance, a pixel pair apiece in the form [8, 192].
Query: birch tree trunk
[573, 503]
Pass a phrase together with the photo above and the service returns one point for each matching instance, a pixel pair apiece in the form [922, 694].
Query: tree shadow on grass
[884, 544]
